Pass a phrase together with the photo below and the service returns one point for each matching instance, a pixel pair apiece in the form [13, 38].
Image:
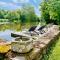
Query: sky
[15, 4]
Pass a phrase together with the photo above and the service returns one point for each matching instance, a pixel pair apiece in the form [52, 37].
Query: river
[6, 29]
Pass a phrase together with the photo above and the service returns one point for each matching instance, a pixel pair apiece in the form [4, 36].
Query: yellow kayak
[4, 47]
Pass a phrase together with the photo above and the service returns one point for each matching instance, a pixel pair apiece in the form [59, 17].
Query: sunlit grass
[56, 52]
[53, 52]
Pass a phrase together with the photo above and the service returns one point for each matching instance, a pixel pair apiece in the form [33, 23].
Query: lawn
[53, 52]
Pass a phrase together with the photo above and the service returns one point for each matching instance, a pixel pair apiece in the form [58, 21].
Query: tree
[2, 14]
[28, 13]
[23, 15]
[44, 11]
[13, 16]
[51, 11]
[54, 11]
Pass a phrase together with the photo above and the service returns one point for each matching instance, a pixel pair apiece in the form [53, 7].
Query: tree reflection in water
[6, 29]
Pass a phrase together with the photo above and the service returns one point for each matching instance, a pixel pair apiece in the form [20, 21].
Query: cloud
[7, 4]
[10, 5]
[2, 3]
[20, 1]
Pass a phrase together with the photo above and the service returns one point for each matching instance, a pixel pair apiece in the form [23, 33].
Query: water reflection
[6, 29]
[6, 35]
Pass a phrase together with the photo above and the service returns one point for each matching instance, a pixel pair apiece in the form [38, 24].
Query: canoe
[19, 34]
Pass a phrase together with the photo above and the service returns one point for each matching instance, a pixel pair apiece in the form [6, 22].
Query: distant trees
[51, 11]
[13, 16]
[26, 14]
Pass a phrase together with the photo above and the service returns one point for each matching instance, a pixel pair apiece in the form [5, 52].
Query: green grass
[53, 52]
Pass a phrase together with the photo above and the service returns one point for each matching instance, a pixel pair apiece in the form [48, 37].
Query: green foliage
[28, 14]
[51, 11]
[4, 20]
[25, 14]
[44, 11]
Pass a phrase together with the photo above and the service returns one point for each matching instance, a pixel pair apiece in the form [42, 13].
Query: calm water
[6, 29]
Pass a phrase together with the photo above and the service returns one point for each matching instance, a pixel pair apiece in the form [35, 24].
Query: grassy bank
[53, 52]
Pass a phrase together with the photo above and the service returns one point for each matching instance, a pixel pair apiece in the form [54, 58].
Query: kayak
[4, 47]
